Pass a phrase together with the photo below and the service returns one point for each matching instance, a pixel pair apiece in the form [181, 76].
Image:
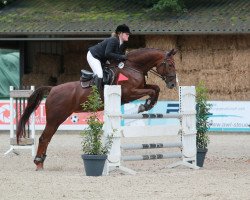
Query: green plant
[202, 124]
[93, 142]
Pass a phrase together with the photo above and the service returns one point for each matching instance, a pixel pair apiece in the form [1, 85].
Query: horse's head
[167, 69]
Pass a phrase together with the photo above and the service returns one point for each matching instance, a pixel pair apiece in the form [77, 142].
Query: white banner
[225, 116]
[230, 116]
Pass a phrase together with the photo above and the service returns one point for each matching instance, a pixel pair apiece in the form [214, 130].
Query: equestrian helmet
[122, 28]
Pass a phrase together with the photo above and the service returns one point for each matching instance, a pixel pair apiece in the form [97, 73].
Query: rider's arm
[110, 51]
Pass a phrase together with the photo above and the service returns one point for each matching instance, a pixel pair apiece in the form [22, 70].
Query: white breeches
[95, 65]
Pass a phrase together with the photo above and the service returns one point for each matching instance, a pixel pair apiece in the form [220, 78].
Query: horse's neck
[146, 63]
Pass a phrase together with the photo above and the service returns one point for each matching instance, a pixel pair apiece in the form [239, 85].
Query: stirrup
[86, 75]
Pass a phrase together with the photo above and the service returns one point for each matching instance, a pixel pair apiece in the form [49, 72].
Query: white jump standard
[18, 102]
[187, 130]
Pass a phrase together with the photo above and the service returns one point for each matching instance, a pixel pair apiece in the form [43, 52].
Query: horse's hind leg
[44, 140]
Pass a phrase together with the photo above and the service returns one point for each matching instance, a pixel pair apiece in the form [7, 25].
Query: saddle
[87, 77]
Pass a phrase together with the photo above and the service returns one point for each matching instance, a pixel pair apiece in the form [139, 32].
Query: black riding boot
[99, 84]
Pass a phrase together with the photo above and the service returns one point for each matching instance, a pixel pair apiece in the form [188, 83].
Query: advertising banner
[225, 116]
[77, 121]
[230, 116]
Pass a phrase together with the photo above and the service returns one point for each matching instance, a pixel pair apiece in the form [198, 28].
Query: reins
[151, 70]
[155, 73]
[134, 69]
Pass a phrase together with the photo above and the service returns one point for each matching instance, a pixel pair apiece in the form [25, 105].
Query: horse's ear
[175, 51]
[170, 53]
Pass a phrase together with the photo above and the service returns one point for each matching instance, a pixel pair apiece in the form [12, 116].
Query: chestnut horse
[67, 98]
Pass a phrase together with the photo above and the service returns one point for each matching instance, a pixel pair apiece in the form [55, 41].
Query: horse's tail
[33, 102]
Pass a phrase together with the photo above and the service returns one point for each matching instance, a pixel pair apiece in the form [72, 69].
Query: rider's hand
[124, 57]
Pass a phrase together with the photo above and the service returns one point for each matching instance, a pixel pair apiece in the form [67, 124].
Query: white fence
[187, 129]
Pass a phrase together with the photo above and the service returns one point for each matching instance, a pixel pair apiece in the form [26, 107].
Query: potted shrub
[94, 146]
[202, 124]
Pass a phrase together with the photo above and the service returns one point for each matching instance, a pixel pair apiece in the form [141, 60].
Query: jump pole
[187, 116]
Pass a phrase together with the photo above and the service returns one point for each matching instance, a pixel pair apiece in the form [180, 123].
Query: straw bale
[165, 42]
[242, 95]
[222, 62]
[222, 59]
[63, 78]
[243, 41]
[195, 59]
[213, 42]
[217, 42]
[226, 83]
[165, 93]
[241, 59]
[37, 80]
[219, 81]
[221, 85]
[74, 62]
[47, 64]
[192, 42]
[168, 94]
[217, 59]
[188, 77]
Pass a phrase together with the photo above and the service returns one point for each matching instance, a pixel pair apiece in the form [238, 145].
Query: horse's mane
[134, 54]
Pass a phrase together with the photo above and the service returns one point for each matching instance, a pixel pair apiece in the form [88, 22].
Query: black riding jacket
[108, 49]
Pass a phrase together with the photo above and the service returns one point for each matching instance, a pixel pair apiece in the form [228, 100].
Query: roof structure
[87, 17]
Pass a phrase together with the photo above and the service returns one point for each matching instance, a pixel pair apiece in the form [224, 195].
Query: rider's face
[124, 37]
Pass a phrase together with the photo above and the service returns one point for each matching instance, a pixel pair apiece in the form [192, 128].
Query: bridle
[165, 62]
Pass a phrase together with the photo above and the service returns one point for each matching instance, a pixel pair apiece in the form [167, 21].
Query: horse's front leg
[152, 100]
[152, 92]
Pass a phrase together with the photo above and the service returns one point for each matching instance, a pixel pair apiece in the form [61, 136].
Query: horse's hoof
[141, 108]
[39, 167]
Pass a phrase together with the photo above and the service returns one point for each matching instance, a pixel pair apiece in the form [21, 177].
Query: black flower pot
[201, 154]
[94, 164]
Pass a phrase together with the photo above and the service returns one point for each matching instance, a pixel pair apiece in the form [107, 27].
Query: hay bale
[165, 42]
[37, 80]
[74, 62]
[243, 42]
[221, 42]
[64, 78]
[222, 59]
[165, 93]
[192, 42]
[241, 59]
[47, 64]
[191, 60]
[188, 77]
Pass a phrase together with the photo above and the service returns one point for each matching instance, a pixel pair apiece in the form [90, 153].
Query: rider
[111, 48]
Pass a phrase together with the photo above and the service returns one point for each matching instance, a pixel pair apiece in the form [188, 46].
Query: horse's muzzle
[171, 85]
